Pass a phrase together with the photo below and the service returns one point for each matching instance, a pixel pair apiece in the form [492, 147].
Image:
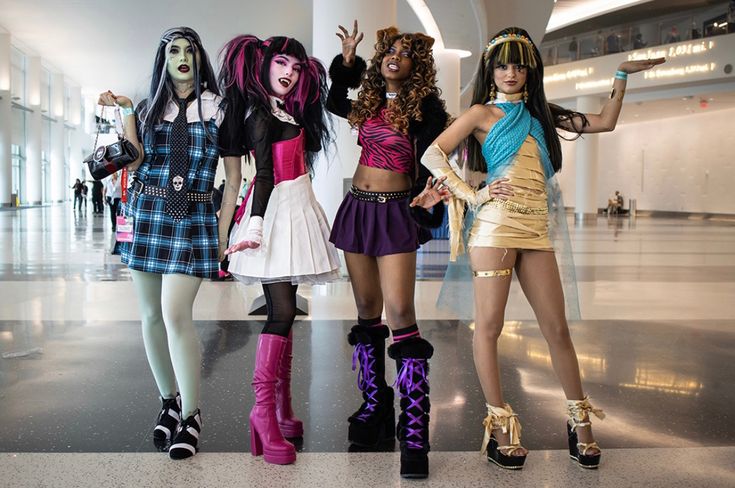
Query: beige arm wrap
[438, 164]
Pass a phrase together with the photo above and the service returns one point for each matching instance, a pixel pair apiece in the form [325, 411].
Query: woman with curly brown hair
[398, 113]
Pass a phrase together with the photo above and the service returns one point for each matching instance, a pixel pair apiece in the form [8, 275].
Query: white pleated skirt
[295, 245]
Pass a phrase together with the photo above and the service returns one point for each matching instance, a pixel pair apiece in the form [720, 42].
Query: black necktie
[177, 204]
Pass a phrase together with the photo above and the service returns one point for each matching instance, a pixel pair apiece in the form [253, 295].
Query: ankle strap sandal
[579, 412]
[506, 420]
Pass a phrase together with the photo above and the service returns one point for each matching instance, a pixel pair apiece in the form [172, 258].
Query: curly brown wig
[422, 82]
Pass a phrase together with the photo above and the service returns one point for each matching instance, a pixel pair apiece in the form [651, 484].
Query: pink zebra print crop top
[385, 148]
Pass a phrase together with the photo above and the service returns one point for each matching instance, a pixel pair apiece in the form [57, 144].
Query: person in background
[573, 47]
[85, 192]
[97, 207]
[673, 36]
[113, 194]
[77, 187]
[638, 42]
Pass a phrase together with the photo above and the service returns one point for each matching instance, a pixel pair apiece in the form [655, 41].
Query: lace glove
[437, 162]
[254, 232]
[252, 239]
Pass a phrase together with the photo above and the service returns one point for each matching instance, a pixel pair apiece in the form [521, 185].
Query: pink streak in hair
[241, 62]
[307, 89]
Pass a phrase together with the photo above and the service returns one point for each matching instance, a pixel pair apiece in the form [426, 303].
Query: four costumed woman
[397, 113]
[274, 111]
[175, 236]
[511, 135]
[276, 95]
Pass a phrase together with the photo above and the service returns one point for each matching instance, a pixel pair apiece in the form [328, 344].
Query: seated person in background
[614, 203]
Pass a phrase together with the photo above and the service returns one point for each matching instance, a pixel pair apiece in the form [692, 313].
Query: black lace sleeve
[261, 128]
[343, 78]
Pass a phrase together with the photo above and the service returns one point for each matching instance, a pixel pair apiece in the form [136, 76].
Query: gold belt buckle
[382, 199]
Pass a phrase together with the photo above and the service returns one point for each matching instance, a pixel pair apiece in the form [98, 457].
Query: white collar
[505, 98]
[277, 109]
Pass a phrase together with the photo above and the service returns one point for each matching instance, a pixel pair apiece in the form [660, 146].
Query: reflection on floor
[656, 337]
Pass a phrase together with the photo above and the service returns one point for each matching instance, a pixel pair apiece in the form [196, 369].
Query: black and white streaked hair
[161, 92]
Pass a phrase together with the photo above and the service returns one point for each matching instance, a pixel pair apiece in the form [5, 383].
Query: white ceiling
[109, 45]
[103, 45]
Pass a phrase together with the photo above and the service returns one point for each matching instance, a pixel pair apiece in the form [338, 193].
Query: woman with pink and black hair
[276, 96]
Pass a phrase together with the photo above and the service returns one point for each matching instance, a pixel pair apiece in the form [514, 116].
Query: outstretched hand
[640, 65]
[432, 194]
[349, 43]
[241, 246]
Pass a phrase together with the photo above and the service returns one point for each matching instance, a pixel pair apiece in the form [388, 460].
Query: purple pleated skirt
[375, 229]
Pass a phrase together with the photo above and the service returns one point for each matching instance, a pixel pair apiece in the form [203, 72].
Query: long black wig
[162, 90]
[549, 114]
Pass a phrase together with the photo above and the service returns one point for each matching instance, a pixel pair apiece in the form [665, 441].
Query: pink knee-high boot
[290, 425]
[265, 435]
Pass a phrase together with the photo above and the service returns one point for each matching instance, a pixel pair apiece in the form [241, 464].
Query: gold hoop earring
[493, 93]
[525, 94]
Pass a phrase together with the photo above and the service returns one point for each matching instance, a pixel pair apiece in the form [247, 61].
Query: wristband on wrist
[125, 111]
[621, 75]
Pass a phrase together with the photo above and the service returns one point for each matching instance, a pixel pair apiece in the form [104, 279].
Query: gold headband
[512, 37]
[507, 38]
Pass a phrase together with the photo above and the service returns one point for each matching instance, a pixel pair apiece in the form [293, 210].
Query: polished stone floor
[655, 345]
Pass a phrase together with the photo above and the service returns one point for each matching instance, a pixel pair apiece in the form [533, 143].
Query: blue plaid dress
[188, 246]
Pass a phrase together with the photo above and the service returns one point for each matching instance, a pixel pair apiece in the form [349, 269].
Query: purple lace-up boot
[375, 420]
[411, 356]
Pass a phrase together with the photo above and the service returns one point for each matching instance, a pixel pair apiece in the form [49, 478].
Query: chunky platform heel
[578, 411]
[374, 422]
[506, 420]
[265, 434]
[167, 422]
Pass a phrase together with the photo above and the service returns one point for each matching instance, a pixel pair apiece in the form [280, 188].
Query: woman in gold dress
[510, 132]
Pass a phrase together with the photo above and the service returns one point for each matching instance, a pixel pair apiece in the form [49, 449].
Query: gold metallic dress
[521, 222]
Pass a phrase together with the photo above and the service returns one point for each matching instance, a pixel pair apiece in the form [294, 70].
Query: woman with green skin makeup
[175, 231]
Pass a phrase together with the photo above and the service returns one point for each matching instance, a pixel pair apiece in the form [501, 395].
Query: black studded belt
[157, 191]
[378, 196]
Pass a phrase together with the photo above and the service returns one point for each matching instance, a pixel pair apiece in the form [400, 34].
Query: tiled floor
[655, 347]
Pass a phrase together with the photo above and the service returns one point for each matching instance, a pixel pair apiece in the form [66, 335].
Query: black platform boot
[412, 357]
[374, 421]
[167, 422]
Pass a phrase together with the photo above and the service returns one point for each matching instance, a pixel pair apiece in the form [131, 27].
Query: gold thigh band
[492, 274]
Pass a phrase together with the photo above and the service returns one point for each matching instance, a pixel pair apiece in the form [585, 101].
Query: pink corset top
[288, 158]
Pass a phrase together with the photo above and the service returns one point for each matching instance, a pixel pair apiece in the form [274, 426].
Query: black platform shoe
[578, 411]
[374, 422]
[167, 421]
[506, 420]
[411, 356]
[186, 439]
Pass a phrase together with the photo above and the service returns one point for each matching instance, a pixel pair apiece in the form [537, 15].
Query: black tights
[280, 301]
